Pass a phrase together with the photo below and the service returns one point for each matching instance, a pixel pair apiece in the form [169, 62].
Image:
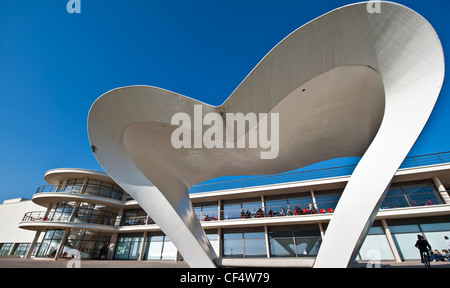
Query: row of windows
[283, 241]
[411, 194]
[297, 241]
[94, 187]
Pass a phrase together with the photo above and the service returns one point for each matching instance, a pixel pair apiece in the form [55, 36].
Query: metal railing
[390, 202]
[139, 220]
[56, 216]
[409, 162]
[84, 190]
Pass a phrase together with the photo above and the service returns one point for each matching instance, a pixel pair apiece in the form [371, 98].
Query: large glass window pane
[169, 251]
[255, 248]
[122, 250]
[376, 247]
[135, 248]
[282, 247]
[405, 244]
[213, 238]
[327, 199]
[254, 235]
[307, 246]
[154, 247]
[233, 248]
[436, 239]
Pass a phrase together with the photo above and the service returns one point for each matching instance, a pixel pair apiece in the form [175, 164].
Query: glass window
[213, 238]
[160, 247]
[376, 246]
[169, 250]
[417, 193]
[282, 247]
[128, 247]
[327, 199]
[405, 234]
[249, 242]
[233, 248]
[294, 241]
[22, 249]
[232, 209]
[50, 243]
[207, 211]
[5, 248]
[277, 203]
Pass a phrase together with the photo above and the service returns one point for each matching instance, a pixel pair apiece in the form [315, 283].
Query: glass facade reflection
[128, 247]
[294, 241]
[159, 247]
[244, 243]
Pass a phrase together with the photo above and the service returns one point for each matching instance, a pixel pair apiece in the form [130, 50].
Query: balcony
[55, 216]
[111, 196]
[112, 193]
[424, 199]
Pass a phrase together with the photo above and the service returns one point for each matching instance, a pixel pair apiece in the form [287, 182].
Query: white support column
[33, 244]
[263, 204]
[391, 241]
[61, 244]
[266, 232]
[442, 190]
[112, 246]
[144, 241]
[219, 238]
[314, 200]
[322, 233]
[219, 207]
[83, 188]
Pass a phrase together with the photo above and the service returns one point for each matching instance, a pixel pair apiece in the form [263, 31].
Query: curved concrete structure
[349, 83]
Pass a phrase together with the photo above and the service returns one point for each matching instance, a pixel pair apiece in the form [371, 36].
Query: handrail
[83, 189]
[57, 216]
[326, 207]
[409, 162]
[390, 202]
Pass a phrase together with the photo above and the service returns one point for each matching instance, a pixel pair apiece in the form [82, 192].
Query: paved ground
[50, 263]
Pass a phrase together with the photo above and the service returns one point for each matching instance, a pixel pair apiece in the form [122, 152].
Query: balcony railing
[83, 189]
[409, 162]
[56, 216]
[390, 202]
[140, 220]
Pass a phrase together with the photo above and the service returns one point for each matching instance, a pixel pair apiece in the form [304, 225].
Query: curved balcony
[37, 220]
[111, 196]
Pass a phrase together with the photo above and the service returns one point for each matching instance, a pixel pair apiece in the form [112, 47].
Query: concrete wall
[11, 214]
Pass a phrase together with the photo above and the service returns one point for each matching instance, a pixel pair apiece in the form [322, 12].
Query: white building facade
[250, 222]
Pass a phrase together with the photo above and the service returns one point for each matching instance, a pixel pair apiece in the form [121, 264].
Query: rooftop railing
[409, 162]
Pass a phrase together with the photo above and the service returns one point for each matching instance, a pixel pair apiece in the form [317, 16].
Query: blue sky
[54, 65]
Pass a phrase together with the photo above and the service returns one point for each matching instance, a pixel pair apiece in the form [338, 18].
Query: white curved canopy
[349, 83]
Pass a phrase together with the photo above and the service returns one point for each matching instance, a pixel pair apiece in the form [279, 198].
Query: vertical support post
[33, 244]
[144, 241]
[266, 232]
[391, 241]
[441, 189]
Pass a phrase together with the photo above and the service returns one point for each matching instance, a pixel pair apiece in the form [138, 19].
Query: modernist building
[249, 222]
[349, 83]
